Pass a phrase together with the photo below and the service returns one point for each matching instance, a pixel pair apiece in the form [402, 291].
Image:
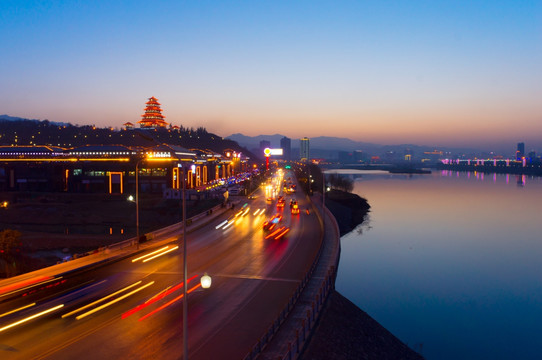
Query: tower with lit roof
[152, 118]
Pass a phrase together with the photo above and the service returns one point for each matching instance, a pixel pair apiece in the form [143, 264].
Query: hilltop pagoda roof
[152, 118]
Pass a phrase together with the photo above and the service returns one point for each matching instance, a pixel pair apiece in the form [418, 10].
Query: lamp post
[137, 201]
[185, 270]
[324, 198]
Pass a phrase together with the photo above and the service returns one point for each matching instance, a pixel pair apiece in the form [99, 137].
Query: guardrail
[307, 324]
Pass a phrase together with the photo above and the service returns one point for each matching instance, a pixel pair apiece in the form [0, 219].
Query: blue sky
[425, 72]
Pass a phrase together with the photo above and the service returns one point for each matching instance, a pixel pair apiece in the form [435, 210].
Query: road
[253, 278]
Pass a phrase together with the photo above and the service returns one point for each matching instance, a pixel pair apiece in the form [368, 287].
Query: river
[450, 262]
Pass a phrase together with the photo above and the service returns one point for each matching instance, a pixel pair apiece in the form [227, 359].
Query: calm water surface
[450, 263]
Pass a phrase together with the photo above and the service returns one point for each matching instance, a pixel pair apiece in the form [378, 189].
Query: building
[520, 153]
[264, 144]
[345, 157]
[112, 169]
[359, 156]
[304, 149]
[286, 146]
[152, 118]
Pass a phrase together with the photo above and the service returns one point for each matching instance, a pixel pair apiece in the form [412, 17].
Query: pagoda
[152, 118]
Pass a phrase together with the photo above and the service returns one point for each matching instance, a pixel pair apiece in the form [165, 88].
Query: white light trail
[31, 317]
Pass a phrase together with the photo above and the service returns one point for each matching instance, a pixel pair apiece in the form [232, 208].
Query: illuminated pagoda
[152, 118]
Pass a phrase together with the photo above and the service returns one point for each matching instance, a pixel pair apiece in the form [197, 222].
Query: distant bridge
[504, 166]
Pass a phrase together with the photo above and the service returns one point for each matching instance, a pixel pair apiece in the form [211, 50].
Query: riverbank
[344, 331]
[348, 209]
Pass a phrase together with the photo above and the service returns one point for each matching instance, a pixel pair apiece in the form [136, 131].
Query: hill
[23, 132]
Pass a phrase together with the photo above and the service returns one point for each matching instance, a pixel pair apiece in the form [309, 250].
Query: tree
[339, 182]
[9, 241]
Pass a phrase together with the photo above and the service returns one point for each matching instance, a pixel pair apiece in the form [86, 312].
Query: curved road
[253, 278]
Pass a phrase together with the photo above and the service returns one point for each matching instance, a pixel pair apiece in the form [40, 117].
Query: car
[295, 208]
[281, 202]
[272, 222]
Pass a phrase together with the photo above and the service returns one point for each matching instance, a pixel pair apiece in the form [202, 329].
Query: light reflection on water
[451, 261]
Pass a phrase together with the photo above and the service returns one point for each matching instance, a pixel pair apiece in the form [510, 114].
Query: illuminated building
[304, 149]
[152, 118]
[520, 153]
[111, 169]
[286, 145]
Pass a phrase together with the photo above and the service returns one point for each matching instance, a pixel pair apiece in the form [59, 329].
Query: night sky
[425, 72]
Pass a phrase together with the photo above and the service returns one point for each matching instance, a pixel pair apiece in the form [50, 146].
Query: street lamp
[324, 199]
[185, 270]
[137, 200]
[206, 281]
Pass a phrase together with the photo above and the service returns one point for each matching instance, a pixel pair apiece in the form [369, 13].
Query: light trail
[221, 224]
[169, 303]
[162, 253]
[16, 310]
[31, 317]
[11, 289]
[113, 301]
[282, 234]
[157, 297]
[101, 300]
[150, 254]
[275, 232]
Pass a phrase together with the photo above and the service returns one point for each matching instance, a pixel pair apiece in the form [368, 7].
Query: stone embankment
[344, 331]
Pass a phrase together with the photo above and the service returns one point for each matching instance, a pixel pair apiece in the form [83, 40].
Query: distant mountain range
[15, 118]
[329, 147]
[320, 142]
